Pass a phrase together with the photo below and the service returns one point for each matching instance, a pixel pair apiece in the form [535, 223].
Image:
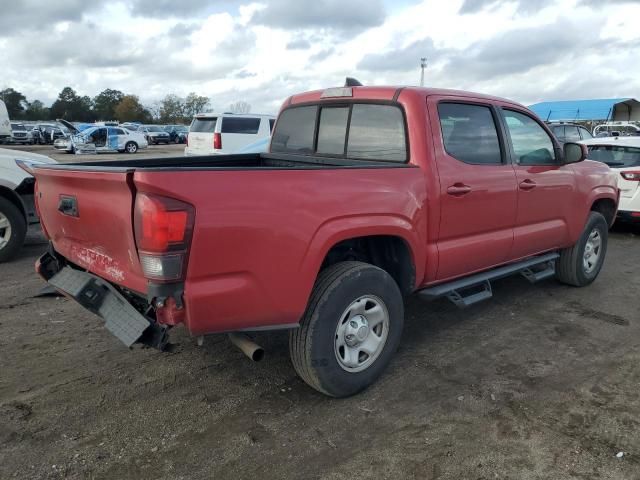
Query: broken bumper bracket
[102, 299]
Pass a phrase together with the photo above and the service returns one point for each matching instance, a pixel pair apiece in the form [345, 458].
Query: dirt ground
[541, 382]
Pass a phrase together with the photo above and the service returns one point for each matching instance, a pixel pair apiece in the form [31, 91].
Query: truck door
[545, 187]
[478, 188]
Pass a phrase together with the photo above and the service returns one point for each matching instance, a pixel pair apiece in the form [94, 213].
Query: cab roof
[388, 93]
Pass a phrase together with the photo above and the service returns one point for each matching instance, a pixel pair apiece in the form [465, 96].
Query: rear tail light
[217, 141]
[163, 228]
[632, 176]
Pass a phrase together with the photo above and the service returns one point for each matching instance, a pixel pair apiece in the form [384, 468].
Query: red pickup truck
[367, 194]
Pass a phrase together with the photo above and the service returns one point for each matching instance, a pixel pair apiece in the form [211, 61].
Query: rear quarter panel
[261, 235]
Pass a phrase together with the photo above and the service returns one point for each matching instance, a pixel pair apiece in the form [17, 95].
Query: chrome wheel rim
[5, 230]
[592, 251]
[361, 334]
[131, 148]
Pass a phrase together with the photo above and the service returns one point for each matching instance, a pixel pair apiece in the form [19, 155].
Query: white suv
[622, 154]
[211, 134]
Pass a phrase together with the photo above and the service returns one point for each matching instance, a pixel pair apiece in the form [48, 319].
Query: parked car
[5, 124]
[625, 129]
[622, 154]
[177, 133]
[102, 140]
[155, 134]
[226, 133]
[569, 132]
[33, 134]
[17, 209]
[19, 133]
[50, 132]
[368, 194]
[132, 127]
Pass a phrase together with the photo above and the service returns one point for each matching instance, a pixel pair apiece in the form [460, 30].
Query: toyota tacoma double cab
[366, 195]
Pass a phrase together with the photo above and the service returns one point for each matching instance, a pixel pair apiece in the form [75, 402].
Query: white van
[5, 124]
[211, 134]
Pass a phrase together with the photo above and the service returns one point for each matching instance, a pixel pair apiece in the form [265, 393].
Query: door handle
[458, 189]
[527, 184]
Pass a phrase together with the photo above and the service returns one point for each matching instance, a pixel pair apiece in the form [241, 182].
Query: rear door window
[615, 156]
[469, 133]
[296, 127]
[571, 134]
[247, 126]
[585, 134]
[203, 124]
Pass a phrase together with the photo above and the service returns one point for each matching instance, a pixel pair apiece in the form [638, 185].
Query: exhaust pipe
[247, 346]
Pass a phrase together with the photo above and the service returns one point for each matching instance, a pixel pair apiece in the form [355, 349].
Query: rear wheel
[350, 330]
[13, 229]
[131, 147]
[580, 264]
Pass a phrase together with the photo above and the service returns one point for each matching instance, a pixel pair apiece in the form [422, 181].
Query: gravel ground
[541, 382]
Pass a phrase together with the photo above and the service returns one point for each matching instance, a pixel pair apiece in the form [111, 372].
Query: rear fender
[339, 229]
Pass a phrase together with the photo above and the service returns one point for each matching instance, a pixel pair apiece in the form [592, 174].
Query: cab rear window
[203, 125]
[358, 131]
[244, 125]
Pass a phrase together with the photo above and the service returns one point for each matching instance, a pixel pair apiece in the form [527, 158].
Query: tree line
[109, 104]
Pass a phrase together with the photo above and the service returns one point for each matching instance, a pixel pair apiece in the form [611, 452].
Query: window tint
[531, 144]
[571, 134]
[586, 134]
[271, 124]
[615, 156]
[247, 126]
[332, 130]
[116, 131]
[203, 125]
[296, 127]
[377, 132]
[469, 133]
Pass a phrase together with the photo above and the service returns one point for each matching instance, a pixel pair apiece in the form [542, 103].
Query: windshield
[615, 156]
[15, 126]
[154, 129]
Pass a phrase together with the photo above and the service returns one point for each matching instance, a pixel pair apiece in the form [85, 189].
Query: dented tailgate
[88, 216]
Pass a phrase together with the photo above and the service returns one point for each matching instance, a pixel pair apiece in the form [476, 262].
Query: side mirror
[574, 152]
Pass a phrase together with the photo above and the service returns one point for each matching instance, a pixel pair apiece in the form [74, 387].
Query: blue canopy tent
[612, 109]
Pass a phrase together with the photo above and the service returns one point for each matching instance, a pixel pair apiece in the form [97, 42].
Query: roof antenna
[352, 82]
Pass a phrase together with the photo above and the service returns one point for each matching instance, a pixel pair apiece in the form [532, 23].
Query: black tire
[312, 345]
[18, 229]
[131, 147]
[570, 267]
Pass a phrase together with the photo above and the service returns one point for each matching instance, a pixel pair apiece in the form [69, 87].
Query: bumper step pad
[99, 297]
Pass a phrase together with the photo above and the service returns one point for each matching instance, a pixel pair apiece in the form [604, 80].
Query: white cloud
[263, 51]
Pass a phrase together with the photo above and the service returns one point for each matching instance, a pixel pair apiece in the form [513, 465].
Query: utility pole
[423, 65]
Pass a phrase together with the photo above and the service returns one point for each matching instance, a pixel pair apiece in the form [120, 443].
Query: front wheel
[131, 147]
[350, 330]
[580, 264]
[13, 229]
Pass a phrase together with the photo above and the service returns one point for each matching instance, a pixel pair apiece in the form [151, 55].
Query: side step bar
[475, 288]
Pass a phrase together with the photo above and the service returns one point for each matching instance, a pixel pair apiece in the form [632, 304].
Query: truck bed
[250, 161]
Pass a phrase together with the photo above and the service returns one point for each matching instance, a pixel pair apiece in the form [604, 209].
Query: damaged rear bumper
[100, 297]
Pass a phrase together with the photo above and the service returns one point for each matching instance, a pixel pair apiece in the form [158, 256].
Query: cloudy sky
[262, 51]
